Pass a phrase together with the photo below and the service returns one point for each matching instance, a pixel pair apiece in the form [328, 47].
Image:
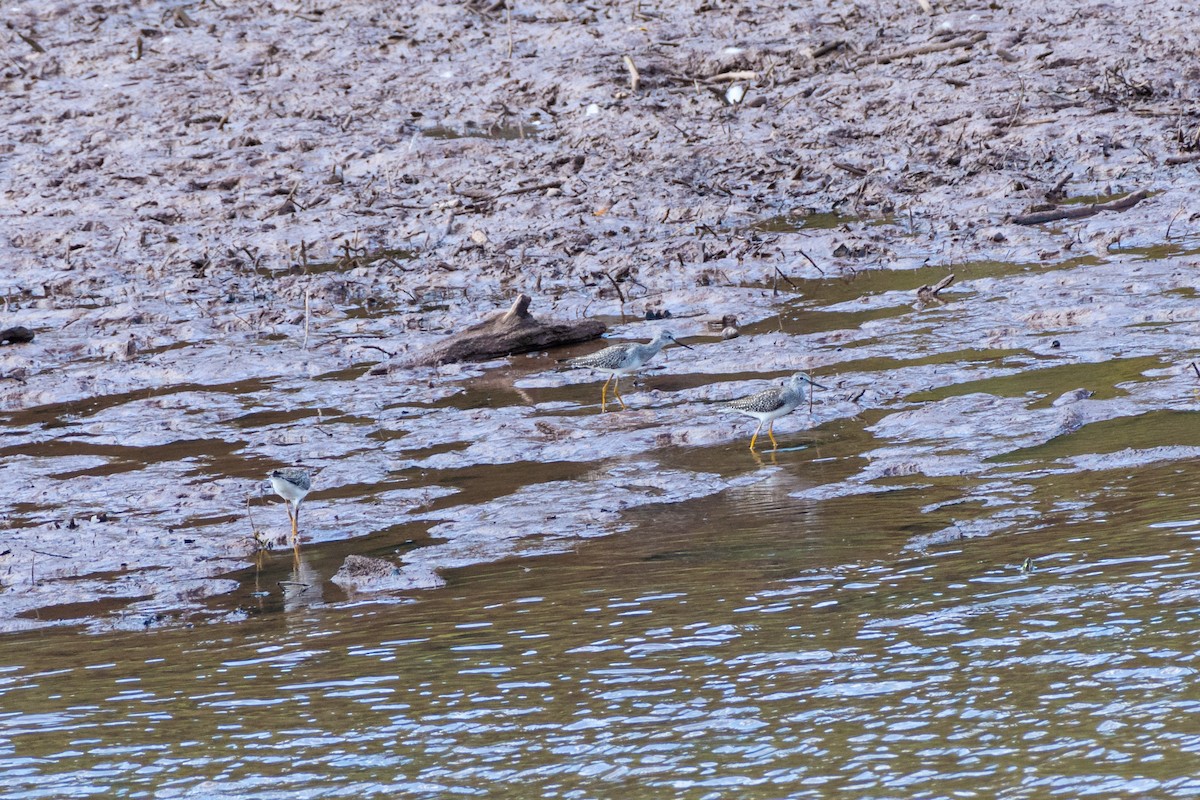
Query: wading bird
[292, 485]
[772, 404]
[623, 359]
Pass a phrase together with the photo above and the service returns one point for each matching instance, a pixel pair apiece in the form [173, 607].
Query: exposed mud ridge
[216, 218]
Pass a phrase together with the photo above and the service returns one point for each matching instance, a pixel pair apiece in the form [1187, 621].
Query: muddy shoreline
[216, 220]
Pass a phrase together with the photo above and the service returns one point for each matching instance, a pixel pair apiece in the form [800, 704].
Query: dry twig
[29, 40]
[809, 259]
[479, 194]
[923, 49]
[635, 79]
[730, 77]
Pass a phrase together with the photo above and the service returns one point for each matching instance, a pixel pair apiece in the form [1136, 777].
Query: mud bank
[217, 219]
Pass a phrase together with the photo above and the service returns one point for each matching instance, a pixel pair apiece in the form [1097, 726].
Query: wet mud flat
[217, 220]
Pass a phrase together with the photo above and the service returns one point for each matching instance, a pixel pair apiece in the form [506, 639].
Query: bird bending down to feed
[623, 359]
[292, 485]
[772, 404]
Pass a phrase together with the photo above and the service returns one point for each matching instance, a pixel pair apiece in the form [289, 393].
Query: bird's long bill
[814, 383]
[681, 344]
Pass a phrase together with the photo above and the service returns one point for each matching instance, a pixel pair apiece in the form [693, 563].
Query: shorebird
[623, 359]
[292, 485]
[772, 404]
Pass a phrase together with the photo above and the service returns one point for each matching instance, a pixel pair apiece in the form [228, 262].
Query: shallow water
[849, 616]
[846, 616]
[748, 644]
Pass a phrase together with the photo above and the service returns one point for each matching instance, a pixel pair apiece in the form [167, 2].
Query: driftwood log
[514, 331]
[1079, 212]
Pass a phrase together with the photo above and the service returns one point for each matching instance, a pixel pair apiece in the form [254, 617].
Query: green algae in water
[855, 284]
[1051, 382]
[1159, 252]
[968, 358]
[1142, 432]
[791, 223]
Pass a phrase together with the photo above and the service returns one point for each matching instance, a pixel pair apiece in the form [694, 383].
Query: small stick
[29, 40]
[616, 286]
[508, 24]
[307, 314]
[44, 553]
[250, 519]
[1020, 104]
[924, 49]
[818, 269]
[826, 48]
[635, 79]
[287, 201]
[1172, 222]
[779, 272]
[377, 347]
[478, 194]
[736, 75]
[784, 105]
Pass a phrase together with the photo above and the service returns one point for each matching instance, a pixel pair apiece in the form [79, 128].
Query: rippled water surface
[969, 590]
[748, 645]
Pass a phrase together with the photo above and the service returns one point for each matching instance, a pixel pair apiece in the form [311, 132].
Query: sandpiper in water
[292, 485]
[623, 359]
[772, 404]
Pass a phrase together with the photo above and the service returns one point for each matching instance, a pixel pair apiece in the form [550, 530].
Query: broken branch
[737, 75]
[1079, 212]
[929, 294]
[924, 49]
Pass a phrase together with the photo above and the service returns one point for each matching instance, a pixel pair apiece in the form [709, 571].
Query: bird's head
[800, 378]
[666, 336]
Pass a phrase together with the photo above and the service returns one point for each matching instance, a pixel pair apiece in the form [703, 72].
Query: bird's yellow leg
[617, 390]
[292, 518]
[771, 433]
[604, 395]
[754, 438]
